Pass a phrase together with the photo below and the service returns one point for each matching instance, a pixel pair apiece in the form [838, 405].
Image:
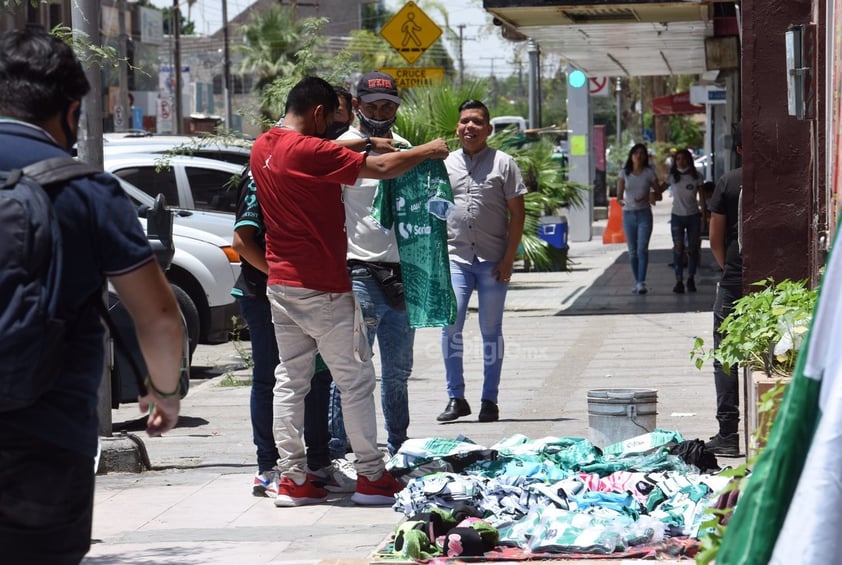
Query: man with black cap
[371, 252]
[724, 207]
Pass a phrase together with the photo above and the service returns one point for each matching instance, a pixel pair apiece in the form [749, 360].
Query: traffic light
[576, 79]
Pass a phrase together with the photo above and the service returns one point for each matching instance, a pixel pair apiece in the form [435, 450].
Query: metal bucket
[617, 414]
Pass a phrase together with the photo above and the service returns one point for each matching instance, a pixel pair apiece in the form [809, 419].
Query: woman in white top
[637, 180]
[686, 220]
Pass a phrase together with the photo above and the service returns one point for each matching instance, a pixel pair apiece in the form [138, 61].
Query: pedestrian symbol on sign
[411, 32]
[410, 29]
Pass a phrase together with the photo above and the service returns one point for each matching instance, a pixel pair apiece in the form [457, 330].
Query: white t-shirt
[685, 200]
[366, 241]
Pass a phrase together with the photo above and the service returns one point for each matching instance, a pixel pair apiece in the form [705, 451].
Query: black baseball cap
[377, 86]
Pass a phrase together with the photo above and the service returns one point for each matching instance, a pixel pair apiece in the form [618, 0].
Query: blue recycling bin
[553, 230]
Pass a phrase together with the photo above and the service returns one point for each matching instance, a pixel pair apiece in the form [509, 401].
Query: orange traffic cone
[614, 229]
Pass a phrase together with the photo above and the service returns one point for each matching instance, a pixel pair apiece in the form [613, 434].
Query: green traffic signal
[576, 78]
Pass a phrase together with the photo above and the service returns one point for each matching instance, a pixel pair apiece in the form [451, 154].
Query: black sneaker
[456, 408]
[691, 285]
[489, 412]
[679, 287]
[727, 445]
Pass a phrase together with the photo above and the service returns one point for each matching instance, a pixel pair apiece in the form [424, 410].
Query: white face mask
[683, 170]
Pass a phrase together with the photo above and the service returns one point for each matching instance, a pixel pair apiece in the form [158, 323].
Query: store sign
[707, 95]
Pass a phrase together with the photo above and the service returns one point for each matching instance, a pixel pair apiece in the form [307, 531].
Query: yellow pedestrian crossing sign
[411, 32]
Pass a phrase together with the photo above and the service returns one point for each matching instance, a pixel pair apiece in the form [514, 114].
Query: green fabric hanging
[415, 204]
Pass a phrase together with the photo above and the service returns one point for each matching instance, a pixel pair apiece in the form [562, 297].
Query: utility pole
[85, 18]
[226, 73]
[176, 30]
[122, 112]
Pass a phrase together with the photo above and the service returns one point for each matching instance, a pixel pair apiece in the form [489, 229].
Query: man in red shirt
[299, 176]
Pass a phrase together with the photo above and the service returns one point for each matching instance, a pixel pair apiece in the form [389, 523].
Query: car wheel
[191, 316]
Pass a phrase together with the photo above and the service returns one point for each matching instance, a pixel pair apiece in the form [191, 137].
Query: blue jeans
[685, 230]
[316, 427]
[492, 299]
[637, 226]
[264, 354]
[396, 339]
[338, 443]
[264, 350]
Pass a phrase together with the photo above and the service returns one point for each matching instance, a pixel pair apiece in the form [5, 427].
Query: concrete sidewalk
[566, 333]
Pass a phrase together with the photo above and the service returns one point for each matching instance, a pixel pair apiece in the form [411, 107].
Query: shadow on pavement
[139, 424]
[611, 292]
[465, 421]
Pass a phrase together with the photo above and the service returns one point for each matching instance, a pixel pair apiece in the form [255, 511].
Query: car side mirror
[159, 221]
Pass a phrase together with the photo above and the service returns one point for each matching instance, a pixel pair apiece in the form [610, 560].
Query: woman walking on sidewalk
[637, 180]
[686, 218]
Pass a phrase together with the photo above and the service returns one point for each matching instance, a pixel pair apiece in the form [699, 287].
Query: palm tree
[273, 44]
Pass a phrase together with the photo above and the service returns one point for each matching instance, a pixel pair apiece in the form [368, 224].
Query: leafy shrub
[764, 329]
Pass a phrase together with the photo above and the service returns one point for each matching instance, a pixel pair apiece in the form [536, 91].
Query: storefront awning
[675, 104]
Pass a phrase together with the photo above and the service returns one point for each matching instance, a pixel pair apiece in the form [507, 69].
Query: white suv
[187, 182]
[202, 193]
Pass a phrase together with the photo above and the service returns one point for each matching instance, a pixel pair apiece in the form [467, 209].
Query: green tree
[279, 49]
[186, 25]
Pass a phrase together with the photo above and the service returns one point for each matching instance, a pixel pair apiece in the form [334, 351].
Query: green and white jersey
[415, 205]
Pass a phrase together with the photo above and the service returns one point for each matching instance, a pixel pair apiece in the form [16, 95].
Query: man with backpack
[49, 379]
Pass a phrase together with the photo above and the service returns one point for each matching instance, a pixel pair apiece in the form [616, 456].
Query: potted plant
[765, 329]
[763, 335]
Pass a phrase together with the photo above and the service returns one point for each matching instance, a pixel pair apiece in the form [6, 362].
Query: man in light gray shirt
[484, 232]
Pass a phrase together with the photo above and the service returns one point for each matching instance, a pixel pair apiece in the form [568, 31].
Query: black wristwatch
[368, 145]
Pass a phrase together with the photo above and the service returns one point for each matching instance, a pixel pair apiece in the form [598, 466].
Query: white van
[503, 122]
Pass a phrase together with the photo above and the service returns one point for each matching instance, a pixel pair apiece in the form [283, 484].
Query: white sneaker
[266, 483]
[339, 476]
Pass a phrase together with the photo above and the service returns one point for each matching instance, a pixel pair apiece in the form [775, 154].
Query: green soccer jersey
[416, 204]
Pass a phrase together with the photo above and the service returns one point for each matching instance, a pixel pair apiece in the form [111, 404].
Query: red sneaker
[379, 492]
[292, 494]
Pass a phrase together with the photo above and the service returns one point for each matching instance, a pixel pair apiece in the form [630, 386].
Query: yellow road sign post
[408, 77]
[411, 32]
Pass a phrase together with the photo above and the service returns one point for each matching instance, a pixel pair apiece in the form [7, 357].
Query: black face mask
[70, 137]
[335, 129]
[376, 128]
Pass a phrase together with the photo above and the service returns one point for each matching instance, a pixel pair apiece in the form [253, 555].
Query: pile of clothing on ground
[524, 499]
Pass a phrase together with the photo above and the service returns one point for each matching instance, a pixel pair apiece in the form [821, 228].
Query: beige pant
[307, 321]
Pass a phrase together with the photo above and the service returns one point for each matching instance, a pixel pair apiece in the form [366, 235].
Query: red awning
[675, 104]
